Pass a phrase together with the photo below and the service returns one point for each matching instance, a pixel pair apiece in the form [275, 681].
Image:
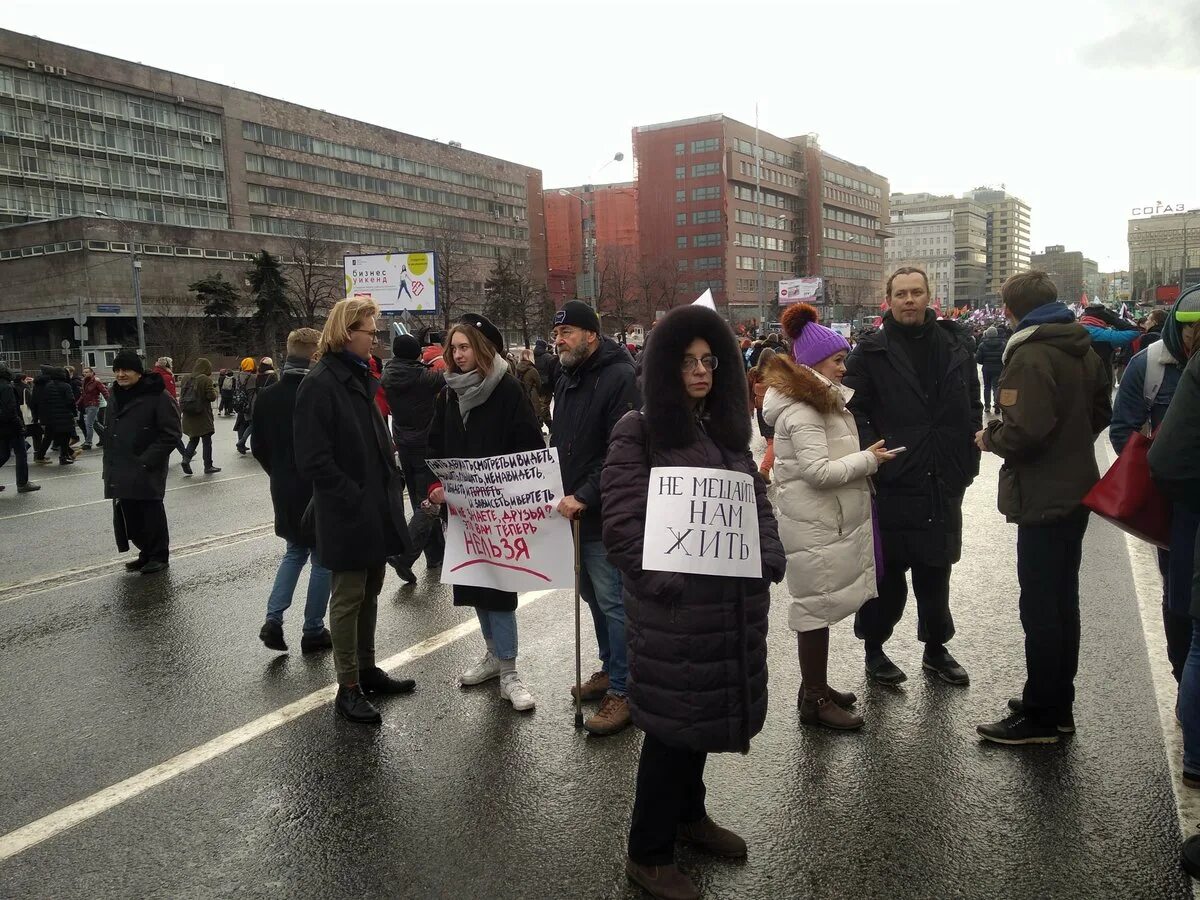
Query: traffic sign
[66, 345]
[108, 308]
[81, 333]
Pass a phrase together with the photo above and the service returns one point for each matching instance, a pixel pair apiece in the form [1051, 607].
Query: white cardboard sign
[503, 530]
[702, 522]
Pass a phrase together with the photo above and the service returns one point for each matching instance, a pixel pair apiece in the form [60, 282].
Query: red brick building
[609, 209]
[709, 219]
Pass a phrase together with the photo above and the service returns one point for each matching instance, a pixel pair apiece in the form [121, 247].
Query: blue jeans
[500, 631]
[89, 422]
[319, 579]
[600, 584]
[1189, 704]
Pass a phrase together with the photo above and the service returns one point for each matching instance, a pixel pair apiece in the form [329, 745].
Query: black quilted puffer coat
[697, 643]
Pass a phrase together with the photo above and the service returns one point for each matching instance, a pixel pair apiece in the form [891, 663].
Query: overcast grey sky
[1084, 108]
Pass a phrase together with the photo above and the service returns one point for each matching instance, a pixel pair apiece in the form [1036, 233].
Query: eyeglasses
[691, 363]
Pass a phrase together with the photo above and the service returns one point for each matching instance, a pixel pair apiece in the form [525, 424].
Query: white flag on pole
[705, 299]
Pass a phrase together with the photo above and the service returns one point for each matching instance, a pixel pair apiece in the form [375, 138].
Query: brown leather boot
[665, 882]
[712, 838]
[844, 700]
[613, 716]
[817, 708]
[594, 688]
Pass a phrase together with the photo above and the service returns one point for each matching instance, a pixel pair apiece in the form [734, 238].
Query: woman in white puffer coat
[822, 498]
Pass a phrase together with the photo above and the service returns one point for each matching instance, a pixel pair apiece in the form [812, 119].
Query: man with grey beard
[597, 387]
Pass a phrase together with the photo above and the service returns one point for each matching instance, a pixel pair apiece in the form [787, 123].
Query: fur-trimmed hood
[800, 384]
[666, 405]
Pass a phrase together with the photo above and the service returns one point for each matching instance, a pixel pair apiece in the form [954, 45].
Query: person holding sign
[697, 643]
[484, 412]
[823, 499]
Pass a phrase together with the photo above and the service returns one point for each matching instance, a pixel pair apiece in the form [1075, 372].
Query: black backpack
[241, 397]
[189, 401]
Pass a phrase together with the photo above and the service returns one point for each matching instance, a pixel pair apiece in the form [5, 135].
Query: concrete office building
[925, 240]
[1007, 234]
[1072, 272]
[713, 213]
[205, 170]
[970, 239]
[1163, 250]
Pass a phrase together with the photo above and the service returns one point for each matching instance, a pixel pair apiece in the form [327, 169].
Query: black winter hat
[578, 314]
[405, 346]
[128, 360]
[485, 327]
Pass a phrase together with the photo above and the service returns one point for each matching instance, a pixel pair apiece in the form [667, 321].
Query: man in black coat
[990, 357]
[142, 430]
[411, 387]
[342, 446]
[53, 404]
[12, 431]
[916, 387]
[548, 369]
[596, 388]
[274, 415]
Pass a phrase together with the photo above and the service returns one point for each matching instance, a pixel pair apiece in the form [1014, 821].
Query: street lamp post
[135, 276]
[589, 234]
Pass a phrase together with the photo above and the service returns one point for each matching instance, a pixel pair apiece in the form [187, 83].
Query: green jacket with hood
[1054, 400]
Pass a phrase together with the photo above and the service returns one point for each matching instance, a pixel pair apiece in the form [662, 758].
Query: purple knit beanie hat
[811, 341]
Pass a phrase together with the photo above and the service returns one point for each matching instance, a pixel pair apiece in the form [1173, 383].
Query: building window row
[837, 234]
[41, 249]
[855, 255]
[706, 146]
[56, 91]
[359, 209]
[772, 176]
[712, 284]
[713, 239]
[762, 220]
[702, 170]
[762, 242]
[706, 216]
[755, 263]
[110, 138]
[779, 201]
[707, 262]
[711, 192]
[291, 140]
[853, 183]
[59, 168]
[848, 199]
[852, 274]
[834, 214]
[283, 168]
[32, 202]
[750, 285]
[779, 159]
[371, 237]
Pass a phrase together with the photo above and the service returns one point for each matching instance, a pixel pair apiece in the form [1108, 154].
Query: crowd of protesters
[871, 445]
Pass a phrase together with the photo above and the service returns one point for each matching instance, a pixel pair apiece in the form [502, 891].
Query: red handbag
[1128, 497]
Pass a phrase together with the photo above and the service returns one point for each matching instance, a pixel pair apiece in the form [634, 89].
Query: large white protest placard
[503, 530]
[703, 522]
[396, 281]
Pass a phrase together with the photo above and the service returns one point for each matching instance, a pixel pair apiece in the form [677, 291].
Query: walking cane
[578, 664]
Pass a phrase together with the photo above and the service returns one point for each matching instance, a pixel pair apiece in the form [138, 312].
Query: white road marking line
[182, 487]
[117, 566]
[1147, 580]
[56, 823]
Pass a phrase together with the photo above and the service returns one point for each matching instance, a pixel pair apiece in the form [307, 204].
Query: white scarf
[472, 389]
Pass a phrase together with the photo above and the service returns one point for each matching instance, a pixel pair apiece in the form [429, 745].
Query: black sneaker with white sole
[1066, 724]
[1018, 729]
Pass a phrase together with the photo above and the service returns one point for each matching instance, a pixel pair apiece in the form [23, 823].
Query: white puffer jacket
[821, 495]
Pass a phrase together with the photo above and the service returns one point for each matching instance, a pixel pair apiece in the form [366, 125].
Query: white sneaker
[484, 670]
[512, 690]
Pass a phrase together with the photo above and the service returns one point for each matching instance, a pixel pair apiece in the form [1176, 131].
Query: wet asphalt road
[106, 675]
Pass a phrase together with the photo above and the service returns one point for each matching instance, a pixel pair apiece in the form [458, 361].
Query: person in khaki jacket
[1054, 400]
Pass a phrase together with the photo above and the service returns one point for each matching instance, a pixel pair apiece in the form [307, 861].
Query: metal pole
[590, 237]
[578, 652]
[758, 225]
[134, 266]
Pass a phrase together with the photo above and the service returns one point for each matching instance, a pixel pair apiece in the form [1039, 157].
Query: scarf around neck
[474, 390]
